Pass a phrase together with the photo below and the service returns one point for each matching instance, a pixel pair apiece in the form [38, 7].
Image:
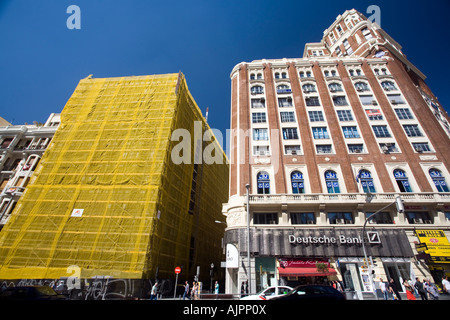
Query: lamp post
[249, 271]
[400, 208]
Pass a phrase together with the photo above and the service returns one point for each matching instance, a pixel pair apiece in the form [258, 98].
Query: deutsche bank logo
[373, 236]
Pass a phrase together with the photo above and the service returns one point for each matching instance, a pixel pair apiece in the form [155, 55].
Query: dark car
[312, 292]
[31, 293]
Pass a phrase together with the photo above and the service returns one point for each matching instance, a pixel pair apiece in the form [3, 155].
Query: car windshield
[46, 291]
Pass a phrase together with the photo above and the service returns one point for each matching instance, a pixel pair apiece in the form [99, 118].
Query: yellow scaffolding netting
[106, 196]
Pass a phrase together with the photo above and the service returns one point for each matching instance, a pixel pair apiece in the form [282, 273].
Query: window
[374, 114]
[356, 148]
[412, 130]
[290, 133]
[312, 101]
[303, 218]
[309, 88]
[324, 148]
[284, 102]
[265, 218]
[326, 73]
[287, 116]
[293, 149]
[252, 76]
[283, 89]
[388, 147]
[260, 134]
[345, 115]
[283, 75]
[418, 217]
[302, 74]
[320, 133]
[340, 101]
[380, 218]
[263, 182]
[297, 182]
[257, 90]
[395, 99]
[367, 100]
[347, 47]
[404, 114]
[334, 87]
[362, 86]
[381, 131]
[366, 33]
[261, 150]
[277, 75]
[402, 180]
[421, 147]
[439, 180]
[350, 132]
[331, 181]
[388, 85]
[366, 180]
[258, 117]
[258, 103]
[340, 217]
[315, 116]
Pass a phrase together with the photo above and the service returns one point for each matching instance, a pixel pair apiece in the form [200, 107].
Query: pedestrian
[153, 293]
[409, 290]
[432, 290]
[383, 289]
[216, 288]
[420, 288]
[194, 291]
[244, 288]
[394, 290]
[445, 285]
[186, 290]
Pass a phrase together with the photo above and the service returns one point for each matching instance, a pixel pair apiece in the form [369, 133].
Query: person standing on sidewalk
[394, 290]
[445, 285]
[419, 286]
[186, 290]
[153, 293]
[383, 289]
[432, 290]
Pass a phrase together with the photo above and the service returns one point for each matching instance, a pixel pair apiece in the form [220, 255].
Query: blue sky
[41, 61]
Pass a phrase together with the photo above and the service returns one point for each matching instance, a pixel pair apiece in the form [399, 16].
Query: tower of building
[322, 142]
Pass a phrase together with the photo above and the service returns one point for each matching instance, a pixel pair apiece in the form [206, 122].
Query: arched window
[263, 182]
[361, 86]
[277, 75]
[439, 180]
[297, 182]
[332, 181]
[366, 181]
[402, 180]
[309, 87]
[257, 89]
[252, 76]
[388, 85]
[335, 87]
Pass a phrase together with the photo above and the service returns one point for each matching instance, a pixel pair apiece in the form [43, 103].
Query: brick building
[325, 140]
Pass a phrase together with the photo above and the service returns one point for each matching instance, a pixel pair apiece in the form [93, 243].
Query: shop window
[366, 181]
[263, 182]
[265, 218]
[402, 180]
[439, 180]
[297, 182]
[340, 217]
[332, 182]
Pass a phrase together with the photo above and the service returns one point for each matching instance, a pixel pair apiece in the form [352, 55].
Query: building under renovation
[126, 189]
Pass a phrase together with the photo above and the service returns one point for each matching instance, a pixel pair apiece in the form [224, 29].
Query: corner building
[109, 199]
[324, 141]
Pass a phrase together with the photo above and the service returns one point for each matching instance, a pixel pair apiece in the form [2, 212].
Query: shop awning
[304, 272]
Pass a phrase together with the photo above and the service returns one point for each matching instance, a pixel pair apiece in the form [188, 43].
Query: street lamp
[400, 208]
[249, 271]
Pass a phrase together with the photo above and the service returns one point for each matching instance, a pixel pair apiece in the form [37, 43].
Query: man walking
[394, 290]
[419, 286]
[186, 290]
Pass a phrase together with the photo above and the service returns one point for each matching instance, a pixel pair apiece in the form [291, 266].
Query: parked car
[312, 292]
[269, 293]
[31, 293]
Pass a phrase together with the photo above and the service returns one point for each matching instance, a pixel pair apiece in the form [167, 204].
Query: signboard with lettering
[437, 244]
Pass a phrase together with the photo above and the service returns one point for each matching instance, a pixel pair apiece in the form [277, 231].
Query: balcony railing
[349, 198]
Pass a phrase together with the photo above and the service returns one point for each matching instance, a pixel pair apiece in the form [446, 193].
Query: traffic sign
[177, 270]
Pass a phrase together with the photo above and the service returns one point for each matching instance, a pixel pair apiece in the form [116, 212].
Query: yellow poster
[437, 244]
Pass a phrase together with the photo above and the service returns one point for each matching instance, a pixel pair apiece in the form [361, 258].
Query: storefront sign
[437, 244]
[232, 256]
[324, 239]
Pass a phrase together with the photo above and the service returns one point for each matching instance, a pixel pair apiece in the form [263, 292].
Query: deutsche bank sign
[373, 237]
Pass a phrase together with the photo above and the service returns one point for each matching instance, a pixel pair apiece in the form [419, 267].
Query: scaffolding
[106, 196]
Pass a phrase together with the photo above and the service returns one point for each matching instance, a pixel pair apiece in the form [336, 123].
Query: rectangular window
[404, 114]
[367, 100]
[374, 114]
[312, 101]
[395, 99]
[340, 217]
[340, 101]
[320, 133]
[315, 116]
[323, 148]
[284, 102]
[418, 218]
[381, 131]
[356, 148]
[421, 147]
[350, 132]
[303, 218]
[261, 150]
[260, 134]
[258, 117]
[412, 130]
[366, 33]
[380, 218]
[295, 149]
[287, 116]
[388, 147]
[258, 103]
[265, 218]
[345, 115]
[290, 133]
